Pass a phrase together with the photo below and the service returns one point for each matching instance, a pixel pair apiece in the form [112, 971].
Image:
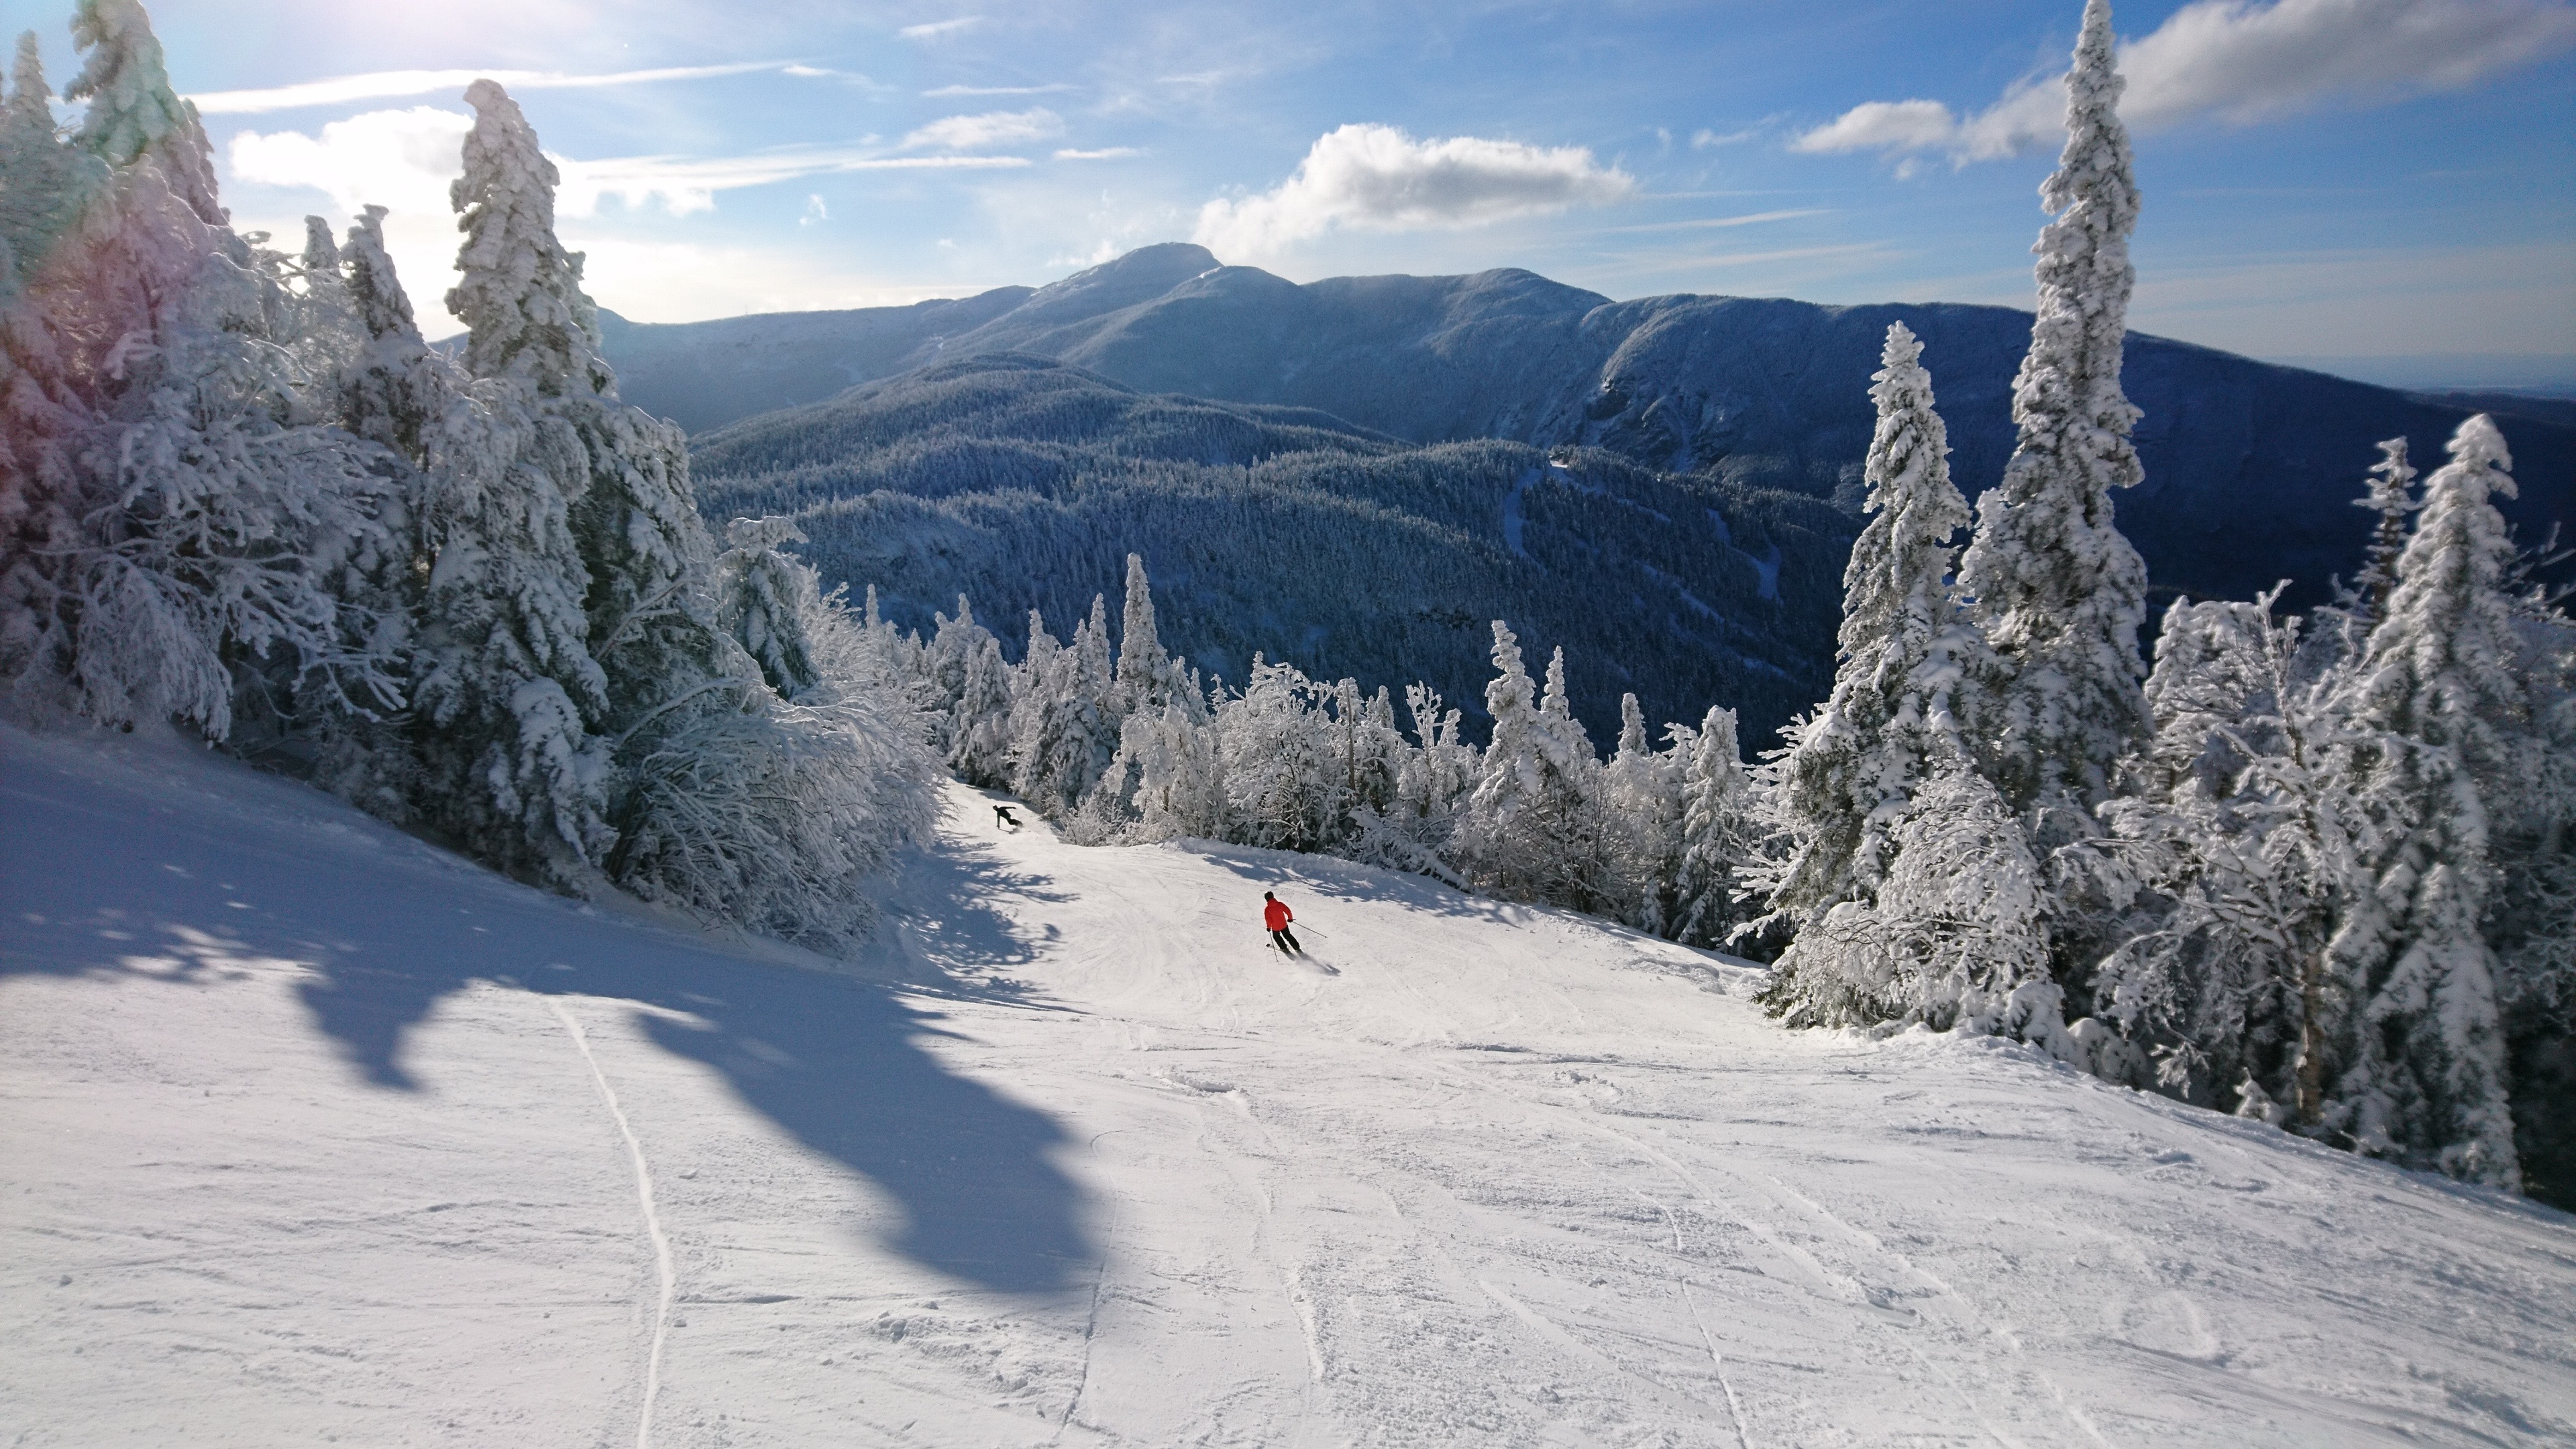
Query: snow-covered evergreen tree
[43, 181]
[760, 600]
[1280, 759]
[1532, 829]
[1953, 938]
[181, 518]
[1910, 659]
[1148, 678]
[134, 112]
[2392, 497]
[2240, 853]
[2437, 709]
[1641, 795]
[393, 388]
[2059, 592]
[1721, 837]
[979, 735]
[1061, 737]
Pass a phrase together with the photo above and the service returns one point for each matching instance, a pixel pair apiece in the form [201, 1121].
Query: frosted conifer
[2392, 497]
[43, 182]
[761, 599]
[1146, 675]
[1910, 659]
[1719, 840]
[2060, 593]
[133, 111]
[2438, 708]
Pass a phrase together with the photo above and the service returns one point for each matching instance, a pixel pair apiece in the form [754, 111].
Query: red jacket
[1276, 914]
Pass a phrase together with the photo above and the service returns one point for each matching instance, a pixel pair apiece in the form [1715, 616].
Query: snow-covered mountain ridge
[317, 1134]
[2248, 465]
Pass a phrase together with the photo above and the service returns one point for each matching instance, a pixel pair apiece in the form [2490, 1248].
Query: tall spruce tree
[1910, 658]
[2059, 592]
[2392, 497]
[133, 109]
[47, 181]
[2437, 712]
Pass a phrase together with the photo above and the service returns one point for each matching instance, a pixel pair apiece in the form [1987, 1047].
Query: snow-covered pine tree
[2239, 854]
[394, 387]
[1148, 678]
[1954, 938]
[2436, 711]
[43, 181]
[2059, 592]
[1910, 661]
[1532, 827]
[1721, 837]
[760, 600]
[179, 512]
[674, 685]
[2392, 497]
[1641, 792]
[954, 641]
[133, 111]
[1062, 741]
[1280, 758]
[980, 730]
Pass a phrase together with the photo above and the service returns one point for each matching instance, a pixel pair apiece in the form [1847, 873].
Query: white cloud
[1047, 90]
[405, 159]
[1378, 178]
[398, 159]
[815, 210]
[2237, 61]
[1708, 223]
[993, 128]
[387, 84]
[937, 28]
[1105, 153]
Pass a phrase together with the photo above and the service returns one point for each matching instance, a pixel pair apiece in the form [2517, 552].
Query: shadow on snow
[192, 897]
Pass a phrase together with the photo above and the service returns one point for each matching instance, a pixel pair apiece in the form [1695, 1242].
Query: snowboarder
[1003, 819]
[1275, 915]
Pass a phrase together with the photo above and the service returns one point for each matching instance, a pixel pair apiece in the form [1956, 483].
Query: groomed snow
[314, 1134]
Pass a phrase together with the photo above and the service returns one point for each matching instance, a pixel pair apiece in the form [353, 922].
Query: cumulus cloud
[399, 159]
[405, 159]
[389, 84]
[1378, 178]
[2239, 62]
[993, 128]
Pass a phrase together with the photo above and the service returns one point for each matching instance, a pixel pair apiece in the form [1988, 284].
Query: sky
[2385, 188]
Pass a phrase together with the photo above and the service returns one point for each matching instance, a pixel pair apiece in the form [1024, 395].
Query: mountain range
[2250, 467]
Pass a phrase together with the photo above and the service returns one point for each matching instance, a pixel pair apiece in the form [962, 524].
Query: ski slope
[312, 1134]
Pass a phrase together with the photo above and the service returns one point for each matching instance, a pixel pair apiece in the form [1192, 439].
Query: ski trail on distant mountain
[652, 1227]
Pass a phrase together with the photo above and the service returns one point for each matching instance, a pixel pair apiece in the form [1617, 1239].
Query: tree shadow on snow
[205, 895]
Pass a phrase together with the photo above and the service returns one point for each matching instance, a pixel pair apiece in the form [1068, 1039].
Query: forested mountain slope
[2249, 466]
[1025, 482]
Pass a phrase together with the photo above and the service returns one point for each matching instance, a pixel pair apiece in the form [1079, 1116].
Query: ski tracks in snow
[652, 1227]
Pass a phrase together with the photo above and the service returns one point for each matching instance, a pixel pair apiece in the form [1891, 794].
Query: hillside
[1024, 483]
[314, 1134]
[2249, 466]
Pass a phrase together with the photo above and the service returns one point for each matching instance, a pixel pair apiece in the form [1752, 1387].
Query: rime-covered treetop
[521, 291]
[132, 107]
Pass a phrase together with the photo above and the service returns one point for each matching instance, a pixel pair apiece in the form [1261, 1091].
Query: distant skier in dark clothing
[1003, 817]
[1275, 915]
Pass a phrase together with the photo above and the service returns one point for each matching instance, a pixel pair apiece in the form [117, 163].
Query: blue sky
[2330, 181]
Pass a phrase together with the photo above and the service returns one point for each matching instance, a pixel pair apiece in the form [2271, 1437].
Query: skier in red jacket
[1276, 916]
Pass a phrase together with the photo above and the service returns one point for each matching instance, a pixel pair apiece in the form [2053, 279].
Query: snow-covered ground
[313, 1134]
